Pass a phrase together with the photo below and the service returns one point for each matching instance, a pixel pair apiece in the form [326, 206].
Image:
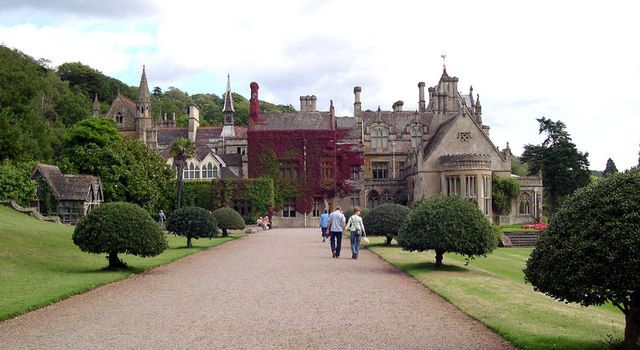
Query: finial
[379, 109]
[444, 66]
[470, 89]
[507, 144]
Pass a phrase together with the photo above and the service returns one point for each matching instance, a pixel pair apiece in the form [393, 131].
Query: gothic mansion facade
[443, 148]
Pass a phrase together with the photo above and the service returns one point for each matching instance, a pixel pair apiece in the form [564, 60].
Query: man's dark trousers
[336, 246]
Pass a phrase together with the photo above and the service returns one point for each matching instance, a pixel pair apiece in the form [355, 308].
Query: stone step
[523, 239]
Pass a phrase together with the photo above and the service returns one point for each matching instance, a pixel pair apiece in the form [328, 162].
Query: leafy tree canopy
[447, 224]
[610, 168]
[119, 227]
[228, 219]
[15, 183]
[590, 252]
[385, 220]
[564, 168]
[192, 222]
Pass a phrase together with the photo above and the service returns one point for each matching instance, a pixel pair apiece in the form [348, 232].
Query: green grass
[515, 228]
[492, 290]
[39, 264]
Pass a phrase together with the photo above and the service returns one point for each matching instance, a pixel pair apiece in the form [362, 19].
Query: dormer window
[416, 137]
[380, 138]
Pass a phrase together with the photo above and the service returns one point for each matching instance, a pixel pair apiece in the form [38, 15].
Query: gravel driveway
[272, 290]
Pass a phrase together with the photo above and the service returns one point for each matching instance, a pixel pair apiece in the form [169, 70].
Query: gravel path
[272, 290]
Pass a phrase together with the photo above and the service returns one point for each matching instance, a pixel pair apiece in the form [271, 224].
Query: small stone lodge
[68, 196]
[442, 148]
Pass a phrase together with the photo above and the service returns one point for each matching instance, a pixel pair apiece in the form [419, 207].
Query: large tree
[181, 150]
[564, 168]
[590, 253]
[610, 168]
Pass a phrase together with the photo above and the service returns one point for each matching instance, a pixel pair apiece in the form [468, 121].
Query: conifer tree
[610, 168]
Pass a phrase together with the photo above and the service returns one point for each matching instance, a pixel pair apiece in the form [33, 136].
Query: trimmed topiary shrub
[385, 220]
[119, 227]
[192, 222]
[590, 253]
[447, 224]
[228, 219]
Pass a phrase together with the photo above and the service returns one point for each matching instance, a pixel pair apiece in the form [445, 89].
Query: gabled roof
[65, 186]
[437, 137]
[232, 159]
[295, 121]
[227, 173]
[204, 134]
[399, 120]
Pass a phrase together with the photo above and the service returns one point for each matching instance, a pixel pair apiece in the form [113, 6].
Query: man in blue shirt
[324, 221]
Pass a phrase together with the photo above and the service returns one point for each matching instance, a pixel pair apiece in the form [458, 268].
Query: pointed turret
[96, 107]
[228, 100]
[478, 108]
[143, 121]
[228, 129]
[143, 93]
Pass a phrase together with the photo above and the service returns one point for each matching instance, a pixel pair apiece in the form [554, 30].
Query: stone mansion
[443, 148]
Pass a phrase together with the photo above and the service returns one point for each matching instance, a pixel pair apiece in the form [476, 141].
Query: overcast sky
[576, 62]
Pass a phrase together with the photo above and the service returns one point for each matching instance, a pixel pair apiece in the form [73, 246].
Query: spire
[96, 107]
[478, 109]
[143, 93]
[228, 100]
[478, 101]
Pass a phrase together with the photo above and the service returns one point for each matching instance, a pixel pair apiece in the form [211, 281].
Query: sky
[578, 62]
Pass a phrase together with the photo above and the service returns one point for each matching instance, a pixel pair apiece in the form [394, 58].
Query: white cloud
[575, 63]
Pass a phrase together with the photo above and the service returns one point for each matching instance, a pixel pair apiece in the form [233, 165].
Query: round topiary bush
[590, 253]
[119, 227]
[228, 219]
[447, 224]
[192, 222]
[385, 220]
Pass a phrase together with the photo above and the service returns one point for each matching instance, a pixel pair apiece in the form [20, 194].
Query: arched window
[119, 118]
[373, 200]
[386, 197]
[525, 204]
[416, 137]
[379, 138]
[196, 171]
[207, 171]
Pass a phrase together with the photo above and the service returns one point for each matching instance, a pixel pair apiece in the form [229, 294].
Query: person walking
[162, 218]
[324, 222]
[337, 224]
[356, 227]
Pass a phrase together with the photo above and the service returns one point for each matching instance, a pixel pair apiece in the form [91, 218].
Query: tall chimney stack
[357, 105]
[303, 103]
[421, 102]
[397, 106]
[194, 122]
[312, 101]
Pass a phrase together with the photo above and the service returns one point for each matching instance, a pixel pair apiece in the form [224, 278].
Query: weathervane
[444, 57]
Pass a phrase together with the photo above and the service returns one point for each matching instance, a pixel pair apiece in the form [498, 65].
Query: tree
[503, 191]
[15, 183]
[518, 167]
[119, 227]
[447, 224]
[181, 150]
[589, 253]
[99, 131]
[385, 220]
[192, 222]
[129, 170]
[610, 168]
[228, 219]
[564, 168]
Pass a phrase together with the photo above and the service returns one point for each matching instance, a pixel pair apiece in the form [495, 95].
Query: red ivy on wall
[323, 162]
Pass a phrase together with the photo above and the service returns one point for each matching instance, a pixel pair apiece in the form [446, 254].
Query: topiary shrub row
[228, 219]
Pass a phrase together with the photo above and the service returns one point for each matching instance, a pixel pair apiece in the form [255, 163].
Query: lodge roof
[295, 121]
[65, 186]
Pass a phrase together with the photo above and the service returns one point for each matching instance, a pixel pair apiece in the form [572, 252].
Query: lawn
[492, 290]
[39, 264]
[515, 228]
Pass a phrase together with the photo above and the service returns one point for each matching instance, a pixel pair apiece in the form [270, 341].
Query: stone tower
[228, 130]
[143, 120]
[96, 107]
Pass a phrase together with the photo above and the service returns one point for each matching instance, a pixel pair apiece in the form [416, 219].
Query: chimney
[332, 113]
[173, 119]
[397, 106]
[312, 103]
[303, 103]
[194, 122]
[421, 102]
[357, 105]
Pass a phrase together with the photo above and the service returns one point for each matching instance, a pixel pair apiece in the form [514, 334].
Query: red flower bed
[537, 226]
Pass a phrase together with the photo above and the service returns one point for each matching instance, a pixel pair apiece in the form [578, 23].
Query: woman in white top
[356, 227]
